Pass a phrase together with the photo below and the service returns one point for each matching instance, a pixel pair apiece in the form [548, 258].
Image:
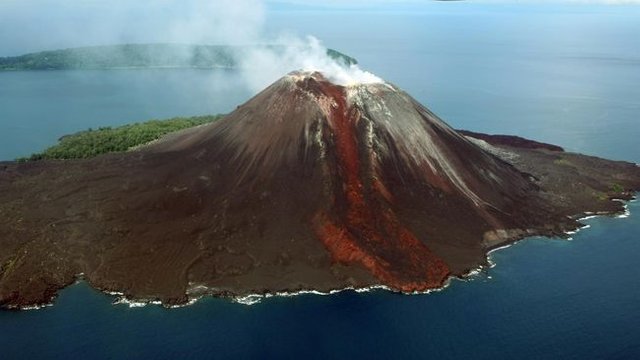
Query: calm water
[544, 299]
[38, 107]
[569, 77]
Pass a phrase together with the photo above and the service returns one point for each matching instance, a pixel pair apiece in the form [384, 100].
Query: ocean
[567, 75]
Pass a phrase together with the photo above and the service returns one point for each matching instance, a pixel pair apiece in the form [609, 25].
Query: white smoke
[263, 65]
[223, 22]
[242, 22]
[51, 24]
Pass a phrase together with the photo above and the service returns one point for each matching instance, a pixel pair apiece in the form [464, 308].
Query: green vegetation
[341, 58]
[602, 196]
[563, 161]
[617, 188]
[6, 268]
[89, 143]
[140, 56]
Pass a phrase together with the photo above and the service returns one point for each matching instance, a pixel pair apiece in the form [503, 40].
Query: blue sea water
[566, 75]
[38, 107]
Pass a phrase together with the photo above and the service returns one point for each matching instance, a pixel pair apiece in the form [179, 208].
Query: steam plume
[261, 66]
[52, 24]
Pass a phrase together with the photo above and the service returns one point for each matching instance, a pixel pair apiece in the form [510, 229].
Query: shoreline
[125, 68]
[256, 298]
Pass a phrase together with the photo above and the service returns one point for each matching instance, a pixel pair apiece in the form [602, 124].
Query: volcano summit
[310, 185]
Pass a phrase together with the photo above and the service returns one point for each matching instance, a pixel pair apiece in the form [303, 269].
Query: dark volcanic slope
[309, 185]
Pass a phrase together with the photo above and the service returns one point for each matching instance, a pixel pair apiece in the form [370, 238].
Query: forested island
[128, 56]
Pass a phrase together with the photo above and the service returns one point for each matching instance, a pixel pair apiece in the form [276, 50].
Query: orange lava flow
[369, 233]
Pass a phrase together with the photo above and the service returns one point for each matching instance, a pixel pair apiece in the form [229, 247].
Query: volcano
[310, 185]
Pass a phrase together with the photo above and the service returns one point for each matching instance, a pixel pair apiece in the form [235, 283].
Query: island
[145, 56]
[309, 186]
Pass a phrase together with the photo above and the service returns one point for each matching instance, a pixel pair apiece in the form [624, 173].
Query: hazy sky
[32, 25]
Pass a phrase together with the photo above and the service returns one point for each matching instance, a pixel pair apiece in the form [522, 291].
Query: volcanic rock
[310, 185]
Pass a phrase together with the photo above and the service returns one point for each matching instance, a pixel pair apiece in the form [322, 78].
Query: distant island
[310, 186]
[133, 56]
